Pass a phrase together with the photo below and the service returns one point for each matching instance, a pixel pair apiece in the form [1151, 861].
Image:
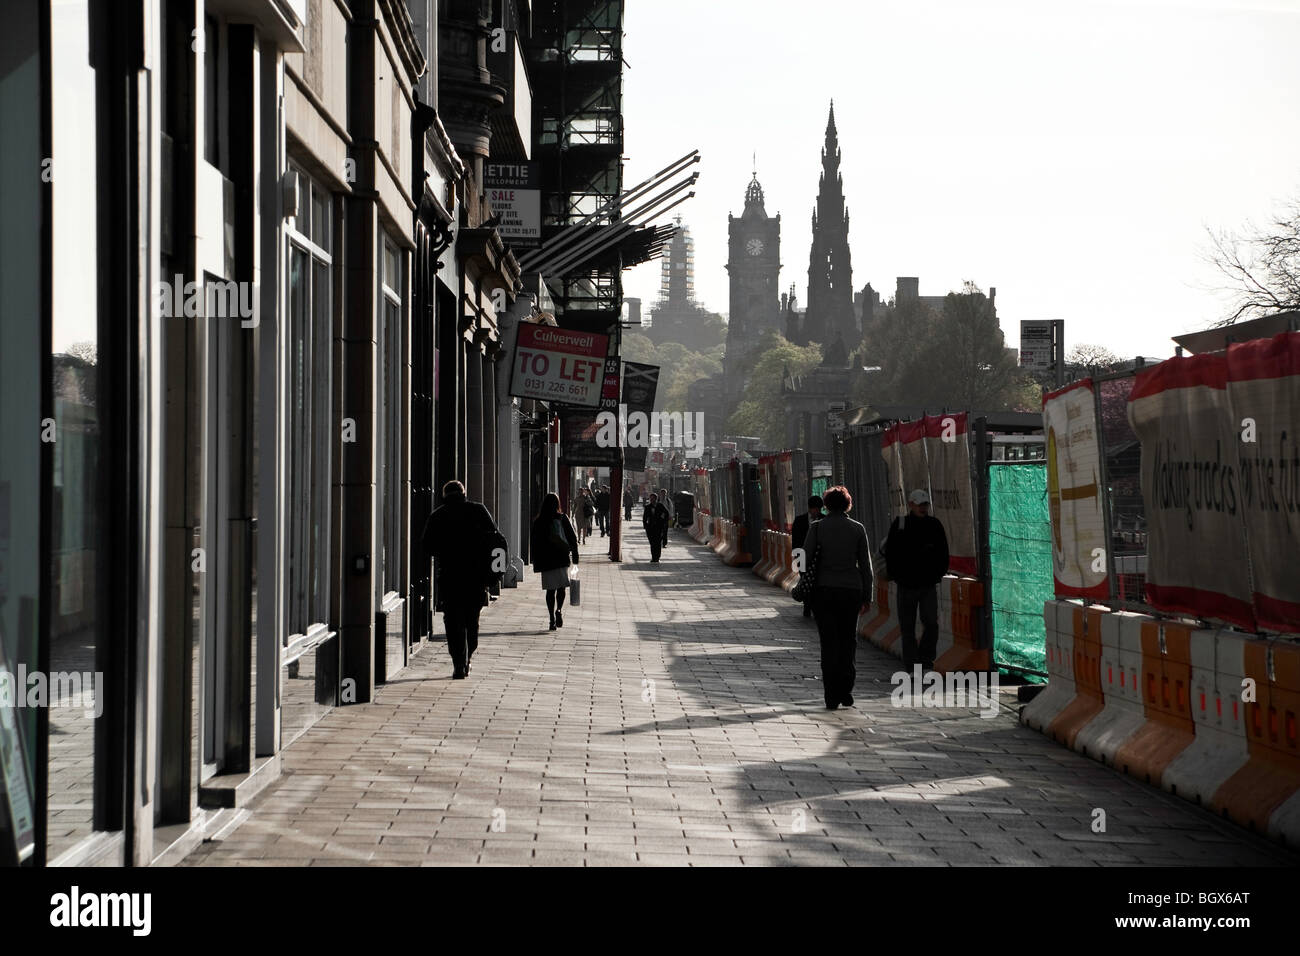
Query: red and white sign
[1221, 482]
[559, 365]
[933, 454]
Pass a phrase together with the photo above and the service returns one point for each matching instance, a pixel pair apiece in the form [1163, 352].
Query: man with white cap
[916, 556]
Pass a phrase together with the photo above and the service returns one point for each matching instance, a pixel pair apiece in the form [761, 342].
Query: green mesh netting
[819, 486]
[1020, 548]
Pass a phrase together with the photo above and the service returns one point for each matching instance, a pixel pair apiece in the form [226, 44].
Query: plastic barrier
[957, 649]
[738, 554]
[764, 562]
[1165, 702]
[782, 559]
[878, 615]
[1263, 794]
[1219, 747]
[1123, 712]
[789, 577]
[1058, 616]
[1166, 678]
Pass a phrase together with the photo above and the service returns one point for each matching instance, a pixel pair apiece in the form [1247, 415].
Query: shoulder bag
[808, 578]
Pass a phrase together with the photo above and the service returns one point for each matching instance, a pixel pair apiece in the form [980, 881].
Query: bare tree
[83, 351]
[1092, 357]
[1262, 266]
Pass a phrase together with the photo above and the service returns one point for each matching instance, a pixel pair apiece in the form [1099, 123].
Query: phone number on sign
[554, 388]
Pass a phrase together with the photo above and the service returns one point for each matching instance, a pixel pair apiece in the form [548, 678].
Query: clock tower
[753, 262]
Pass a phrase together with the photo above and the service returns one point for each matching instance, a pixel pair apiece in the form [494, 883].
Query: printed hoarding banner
[1191, 488]
[640, 382]
[933, 454]
[1074, 503]
[947, 454]
[1264, 394]
[560, 365]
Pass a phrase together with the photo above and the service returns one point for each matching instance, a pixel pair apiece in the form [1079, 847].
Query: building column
[474, 424]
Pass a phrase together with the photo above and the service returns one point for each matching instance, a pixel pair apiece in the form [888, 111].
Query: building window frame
[390, 420]
[309, 272]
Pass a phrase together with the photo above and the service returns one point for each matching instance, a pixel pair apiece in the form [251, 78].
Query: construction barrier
[961, 602]
[1209, 715]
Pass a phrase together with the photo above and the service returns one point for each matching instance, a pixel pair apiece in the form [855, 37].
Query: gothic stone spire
[830, 280]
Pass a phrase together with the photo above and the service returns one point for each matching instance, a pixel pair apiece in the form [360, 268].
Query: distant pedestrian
[799, 533]
[552, 543]
[916, 557]
[842, 590]
[629, 499]
[463, 540]
[586, 513]
[602, 510]
[655, 521]
[666, 500]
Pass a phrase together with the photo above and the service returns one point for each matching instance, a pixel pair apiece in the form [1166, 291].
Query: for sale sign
[564, 366]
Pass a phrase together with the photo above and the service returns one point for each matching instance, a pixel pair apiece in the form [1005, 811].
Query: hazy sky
[1069, 153]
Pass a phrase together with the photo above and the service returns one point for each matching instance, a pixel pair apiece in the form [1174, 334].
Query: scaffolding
[576, 61]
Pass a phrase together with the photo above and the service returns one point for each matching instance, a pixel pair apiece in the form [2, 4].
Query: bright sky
[1069, 152]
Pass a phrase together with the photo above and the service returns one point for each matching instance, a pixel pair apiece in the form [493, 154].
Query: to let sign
[559, 365]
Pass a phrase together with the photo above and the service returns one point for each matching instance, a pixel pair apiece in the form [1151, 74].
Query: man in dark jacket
[916, 556]
[459, 536]
[655, 521]
[602, 509]
[799, 534]
[629, 499]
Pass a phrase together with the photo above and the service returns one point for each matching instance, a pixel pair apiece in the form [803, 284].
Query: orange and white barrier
[961, 602]
[1209, 715]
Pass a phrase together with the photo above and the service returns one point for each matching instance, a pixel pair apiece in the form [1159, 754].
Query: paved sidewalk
[677, 718]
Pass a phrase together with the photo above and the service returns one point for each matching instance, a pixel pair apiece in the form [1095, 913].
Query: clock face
[754, 247]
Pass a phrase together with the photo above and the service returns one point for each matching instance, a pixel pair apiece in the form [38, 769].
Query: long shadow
[897, 784]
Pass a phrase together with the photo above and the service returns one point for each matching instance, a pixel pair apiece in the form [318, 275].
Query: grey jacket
[844, 561]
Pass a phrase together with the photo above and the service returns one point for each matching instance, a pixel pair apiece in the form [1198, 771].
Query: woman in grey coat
[841, 590]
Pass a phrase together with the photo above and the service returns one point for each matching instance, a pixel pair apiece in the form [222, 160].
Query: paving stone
[732, 756]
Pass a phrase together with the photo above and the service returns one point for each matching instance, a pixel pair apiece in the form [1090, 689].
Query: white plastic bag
[575, 588]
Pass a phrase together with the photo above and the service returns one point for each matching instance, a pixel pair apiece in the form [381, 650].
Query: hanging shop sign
[562, 366]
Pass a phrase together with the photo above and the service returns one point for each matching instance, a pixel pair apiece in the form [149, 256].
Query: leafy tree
[895, 347]
[970, 366]
[761, 410]
[954, 357]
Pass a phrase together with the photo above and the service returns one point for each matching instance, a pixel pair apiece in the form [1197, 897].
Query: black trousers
[656, 545]
[627, 512]
[926, 600]
[836, 611]
[461, 621]
[602, 521]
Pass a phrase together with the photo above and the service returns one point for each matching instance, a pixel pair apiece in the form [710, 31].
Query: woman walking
[552, 543]
[837, 548]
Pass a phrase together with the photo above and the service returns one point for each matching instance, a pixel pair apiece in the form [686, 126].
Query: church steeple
[754, 193]
[830, 270]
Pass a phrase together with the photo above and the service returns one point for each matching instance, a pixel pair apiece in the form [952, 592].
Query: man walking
[916, 556]
[602, 509]
[799, 534]
[461, 537]
[655, 521]
[629, 499]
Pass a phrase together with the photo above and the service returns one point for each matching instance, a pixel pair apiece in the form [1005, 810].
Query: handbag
[807, 578]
